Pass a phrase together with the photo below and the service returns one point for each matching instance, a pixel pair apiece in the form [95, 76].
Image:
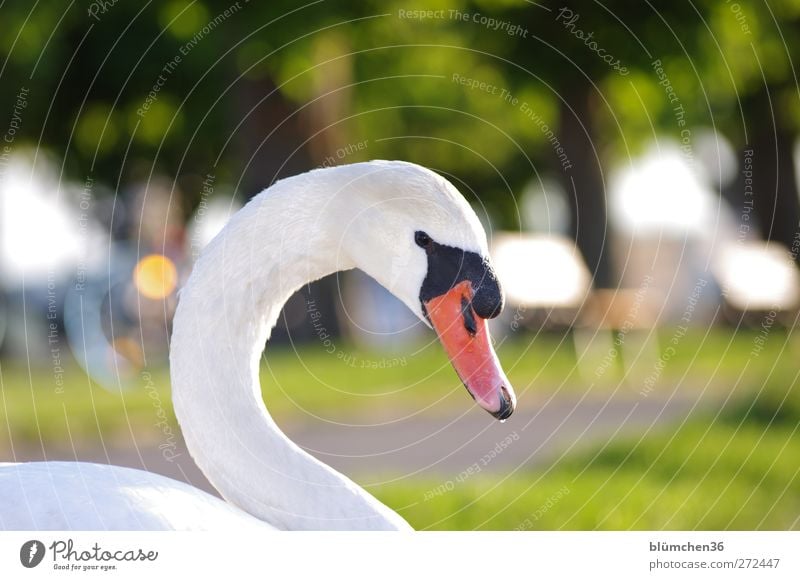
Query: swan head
[416, 235]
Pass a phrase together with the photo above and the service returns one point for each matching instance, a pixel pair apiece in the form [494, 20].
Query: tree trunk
[582, 179]
[285, 153]
[775, 197]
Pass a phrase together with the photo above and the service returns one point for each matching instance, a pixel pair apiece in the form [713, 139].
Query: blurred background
[635, 167]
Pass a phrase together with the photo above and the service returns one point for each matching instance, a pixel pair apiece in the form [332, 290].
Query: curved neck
[284, 238]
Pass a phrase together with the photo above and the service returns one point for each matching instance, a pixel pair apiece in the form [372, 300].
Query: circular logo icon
[31, 553]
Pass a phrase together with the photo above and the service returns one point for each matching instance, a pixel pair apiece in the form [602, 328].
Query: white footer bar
[412, 556]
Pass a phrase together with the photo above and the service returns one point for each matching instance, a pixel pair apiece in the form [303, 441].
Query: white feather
[302, 228]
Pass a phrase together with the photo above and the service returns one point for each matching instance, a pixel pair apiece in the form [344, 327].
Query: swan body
[63, 495]
[402, 224]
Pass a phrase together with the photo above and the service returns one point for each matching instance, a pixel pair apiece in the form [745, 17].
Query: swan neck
[283, 239]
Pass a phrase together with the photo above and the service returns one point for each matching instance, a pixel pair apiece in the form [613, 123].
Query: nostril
[469, 317]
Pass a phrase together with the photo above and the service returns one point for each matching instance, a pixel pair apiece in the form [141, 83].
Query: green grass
[738, 470]
[312, 381]
[732, 473]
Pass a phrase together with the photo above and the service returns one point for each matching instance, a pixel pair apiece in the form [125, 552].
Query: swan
[404, 225]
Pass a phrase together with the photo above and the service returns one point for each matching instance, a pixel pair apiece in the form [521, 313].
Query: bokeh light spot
[155, 276]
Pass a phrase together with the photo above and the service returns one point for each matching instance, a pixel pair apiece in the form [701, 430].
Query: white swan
[405, 226]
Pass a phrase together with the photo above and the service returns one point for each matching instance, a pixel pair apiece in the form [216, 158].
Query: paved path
[435, 447]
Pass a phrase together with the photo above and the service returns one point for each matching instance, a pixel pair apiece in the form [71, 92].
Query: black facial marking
[447, 266]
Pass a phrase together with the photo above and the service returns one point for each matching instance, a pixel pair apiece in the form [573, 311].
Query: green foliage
[392, 78]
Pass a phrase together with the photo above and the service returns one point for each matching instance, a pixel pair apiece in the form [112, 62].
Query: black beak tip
[506, 406]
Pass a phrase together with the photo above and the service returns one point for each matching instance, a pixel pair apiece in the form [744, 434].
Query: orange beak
[465, 337]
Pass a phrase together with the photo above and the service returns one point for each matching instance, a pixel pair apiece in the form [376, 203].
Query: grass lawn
[311, 380]
[727, 476]
[738, 470]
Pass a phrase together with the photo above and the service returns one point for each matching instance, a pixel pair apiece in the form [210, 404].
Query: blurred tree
[749, 55]
[600, 61]
[490, 93]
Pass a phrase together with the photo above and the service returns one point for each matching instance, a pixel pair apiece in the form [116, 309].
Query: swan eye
[423, 240]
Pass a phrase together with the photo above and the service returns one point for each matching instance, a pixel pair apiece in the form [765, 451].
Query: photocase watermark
[768, 321]
[343, 152]
[353, 361]
[20, 104]
[526, 109]
[569, 18]
[32, 553]
[319, 327]
[347, 358]
[740, 16]
[490, 23]
[764, 329]
[549, 134]
[678, 111]
[493, 24]
[473, 469]
[669, 352]
[53, 334]
[485, 87]
[161, 80]
[206, 191]
[84, 206]
[748, 203]
[518, 318]
[67, 557]
[210, 26]
[169, 446]
[794, 249]
[627, 325]
[549, 503]
[422, 14]
[100, 7]
[172, 65]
